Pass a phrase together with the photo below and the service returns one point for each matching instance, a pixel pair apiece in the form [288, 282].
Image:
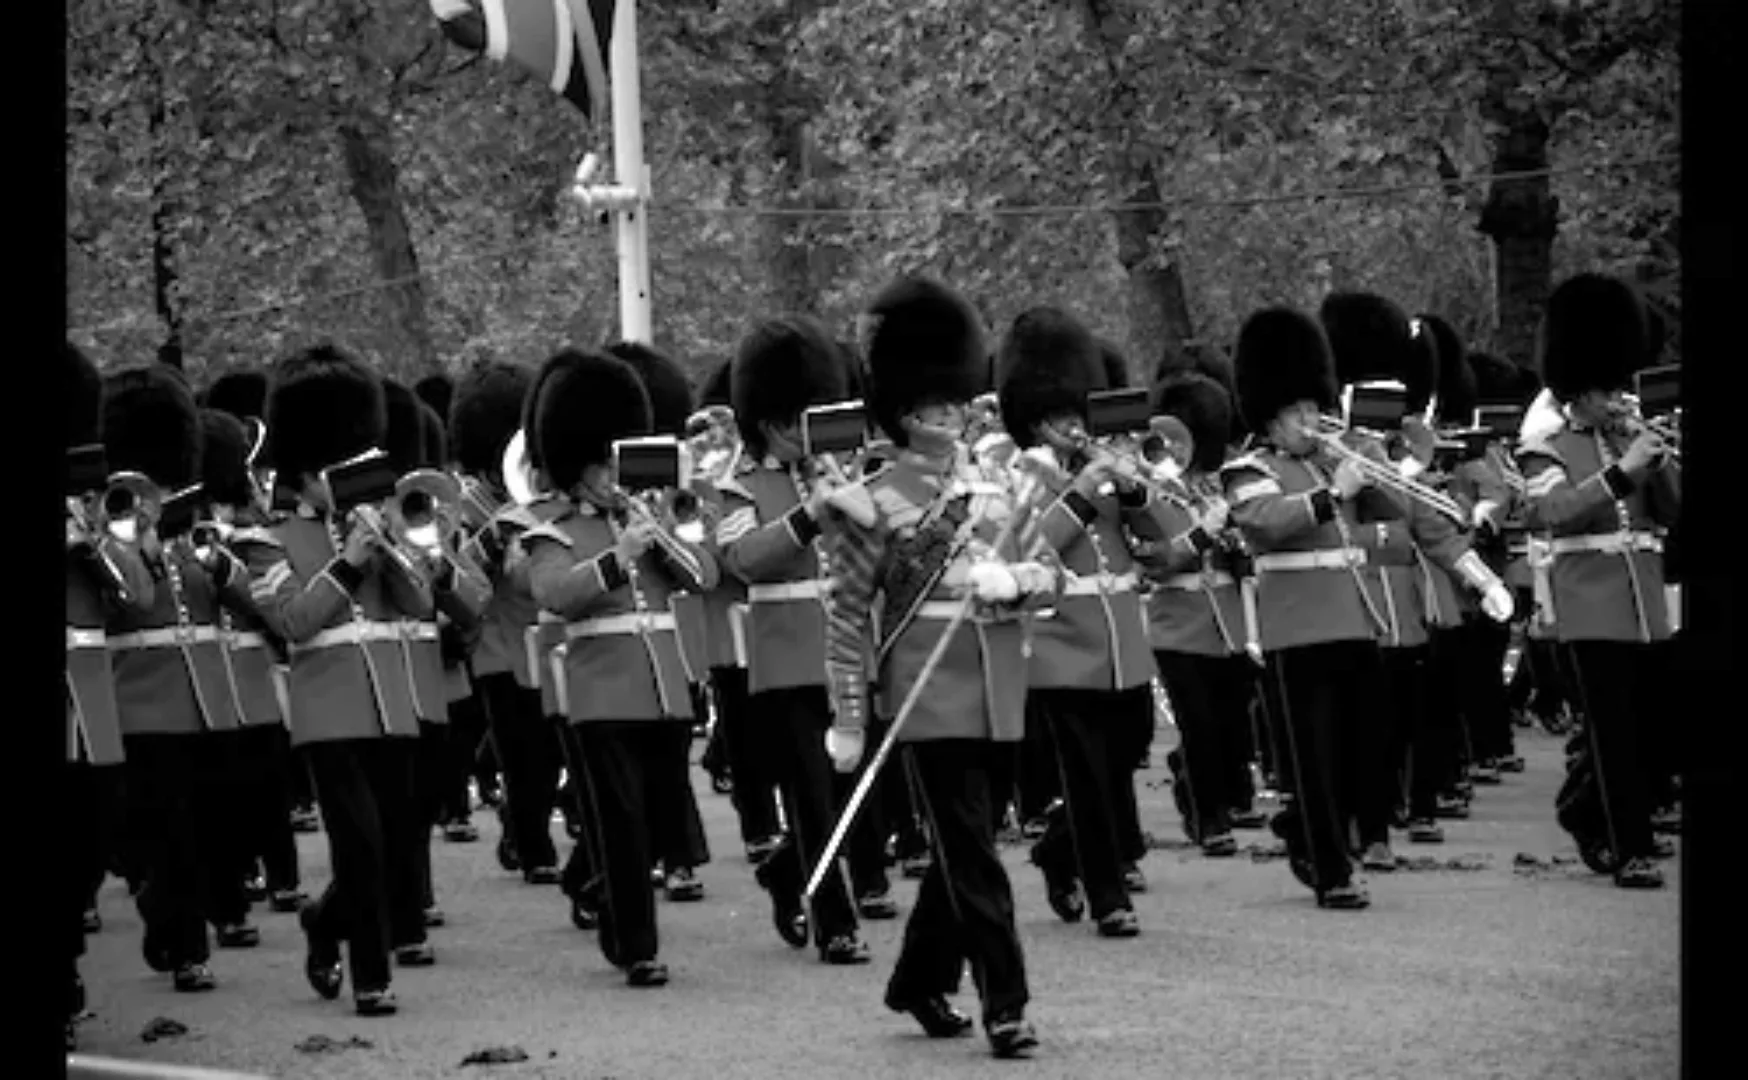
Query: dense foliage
[248, 174]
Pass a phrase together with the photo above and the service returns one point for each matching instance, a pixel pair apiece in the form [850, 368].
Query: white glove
[844, 745]
[993, 583]
[1496, 601]
[1033, 578]
[1484, 511]
[1410, 467]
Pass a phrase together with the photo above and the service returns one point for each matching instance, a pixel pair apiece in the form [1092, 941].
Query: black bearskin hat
[1204, 407]
[242, 393]
[1116, 365]
[926, 345]
[783, 366]
[224, 458]
[562, 360]
[1595, 335]
[485, 413]
[585, 404]
[1498, 381]
[1048, 363]
[152, 426]
[84, 396]
[670, 392]
[437, 391]
[716, 387]
[1369, 338]
[325, 406]
[1456, 377]
[1282, 358]
[402, 440]
[433, 443]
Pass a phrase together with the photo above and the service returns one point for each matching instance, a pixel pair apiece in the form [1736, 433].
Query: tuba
[129, 505]
[518, 475]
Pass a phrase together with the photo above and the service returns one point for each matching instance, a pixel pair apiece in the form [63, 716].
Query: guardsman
[514, 642]
[602, 567]
[329, 586]
[1299, 513]
[1090, 669]
[103, 573]
[259, 790]
[178, 716]
[1195, 618]
[930, 554]
[741, 736]
[242, 392]
[1599, 482]
[1372, 339]
[413, 441]
[484, 413]
[437, 393]
[771, 519]
[678, 829]
[1469, 656]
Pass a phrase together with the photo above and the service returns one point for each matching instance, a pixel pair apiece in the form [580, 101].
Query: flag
[561, 42]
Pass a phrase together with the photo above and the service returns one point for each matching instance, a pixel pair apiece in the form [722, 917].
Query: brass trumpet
[1328, 434]
[637, 508]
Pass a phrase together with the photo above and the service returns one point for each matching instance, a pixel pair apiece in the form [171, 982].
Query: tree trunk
[1521, 215]
[375, 181]
[1157, 303]
[166, 280]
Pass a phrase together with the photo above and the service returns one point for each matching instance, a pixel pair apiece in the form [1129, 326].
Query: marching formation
[918, 588]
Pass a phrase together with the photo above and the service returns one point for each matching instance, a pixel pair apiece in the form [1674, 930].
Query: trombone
[637, 509]
[426, 502]
[1328, 434]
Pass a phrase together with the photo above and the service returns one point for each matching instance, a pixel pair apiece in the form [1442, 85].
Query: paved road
[1465, 966]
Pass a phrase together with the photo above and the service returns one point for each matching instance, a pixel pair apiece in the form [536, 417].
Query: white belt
[1096, 584]
[632, 622]
[352, 633]
[1321, 559]
[939, 609]
[1616, 543]
[420, 631]
[85, 639]
[165, 637]
[1195, 582]
[779, 592]
[246, 639]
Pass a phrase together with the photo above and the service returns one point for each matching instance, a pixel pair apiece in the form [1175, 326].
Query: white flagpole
[630, 171]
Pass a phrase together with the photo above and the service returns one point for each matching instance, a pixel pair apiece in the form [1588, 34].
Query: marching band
[917, 588]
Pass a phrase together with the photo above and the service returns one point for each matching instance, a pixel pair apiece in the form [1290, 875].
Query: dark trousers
[1333, 731]
[676, 829]
[865, 846]
[467, 729]
[431, 760]
[795, 720]
[626, 769]
[1210, 699]
[176, 803]
[581, 876]
[1486, 708]
[964, 909]
[742, 733]
[365, 788]
[1623, 689]
[1039, 778]
[1416, 757]
[1268, 708]
[1096, 768]
[1440, 751]
[298, 781]
[529, 754]
[264, 813]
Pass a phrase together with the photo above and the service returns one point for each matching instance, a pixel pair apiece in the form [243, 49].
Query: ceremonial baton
[863, 786]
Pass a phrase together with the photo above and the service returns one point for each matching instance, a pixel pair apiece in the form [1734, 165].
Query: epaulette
[547, 531]
[1539, 447]
[1252, 461]
[519, 516]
